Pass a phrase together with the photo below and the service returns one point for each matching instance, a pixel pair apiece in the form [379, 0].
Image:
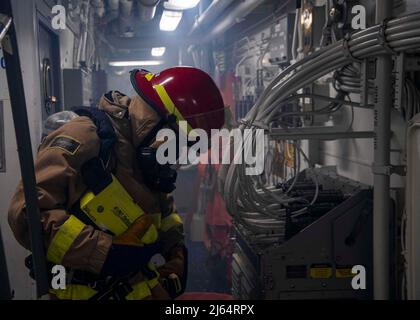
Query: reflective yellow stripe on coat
[140, 291]
[170, 221]
[64, 238]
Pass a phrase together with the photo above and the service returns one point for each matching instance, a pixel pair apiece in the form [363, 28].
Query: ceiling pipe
[113, 5]
[126, 25]
[99, 7]
[239, 11]
[147, 9]
[215, 9]
[126, 7]
[112, 11]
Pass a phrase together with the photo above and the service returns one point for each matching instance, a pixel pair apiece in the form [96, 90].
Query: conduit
[214, 11]
[381, 182]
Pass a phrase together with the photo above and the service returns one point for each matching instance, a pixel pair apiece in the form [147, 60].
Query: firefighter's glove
[125, 259]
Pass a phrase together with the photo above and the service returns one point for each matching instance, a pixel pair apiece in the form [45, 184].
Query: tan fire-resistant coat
[60, 186]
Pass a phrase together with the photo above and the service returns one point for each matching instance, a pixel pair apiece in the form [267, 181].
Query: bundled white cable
[245, 195]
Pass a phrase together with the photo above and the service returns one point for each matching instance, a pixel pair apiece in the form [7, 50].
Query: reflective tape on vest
[150, 236]
[140, 291]
[64, 238]
[153, 283]
[156, 219]
[74, 292]
[171, 221]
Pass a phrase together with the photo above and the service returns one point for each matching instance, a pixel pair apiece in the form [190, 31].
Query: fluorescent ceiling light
[180, 4]
[137, 63]
[158, 52]
[170, 20]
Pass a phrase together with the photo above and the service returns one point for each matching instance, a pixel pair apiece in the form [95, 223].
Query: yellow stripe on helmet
[149, 76]
[64, 238]
[172, 109]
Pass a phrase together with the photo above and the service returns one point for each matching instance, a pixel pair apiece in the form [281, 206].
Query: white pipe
[85, 22]
[295, 34]
[99, 6]
[126, 21]
[239, 10]
[113, 11]
[214, 11]
[147, 9]
[113, 5]
[126, 8]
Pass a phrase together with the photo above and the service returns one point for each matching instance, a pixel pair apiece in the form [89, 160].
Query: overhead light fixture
[170, 20]
[135, 63]
[158, 52]
[180, 4]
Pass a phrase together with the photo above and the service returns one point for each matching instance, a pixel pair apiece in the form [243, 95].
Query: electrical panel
[77, 88]
[281, 42]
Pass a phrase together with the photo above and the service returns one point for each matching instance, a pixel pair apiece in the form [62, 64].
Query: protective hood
[132, 117]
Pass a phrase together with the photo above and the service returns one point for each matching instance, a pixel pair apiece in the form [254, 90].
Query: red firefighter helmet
[182, 93]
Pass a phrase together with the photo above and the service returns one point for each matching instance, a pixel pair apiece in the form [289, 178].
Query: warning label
[321, 271]
[343, 272]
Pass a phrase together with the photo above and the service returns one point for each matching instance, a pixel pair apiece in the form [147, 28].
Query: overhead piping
[216, 8]
[99, 6]
[126, 7]
[113, 5]
[113, 10]
[126, 26]
[147, 9]
[237, 13]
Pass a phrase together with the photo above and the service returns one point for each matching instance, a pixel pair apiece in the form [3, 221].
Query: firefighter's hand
[125, 259]
[141, 232]
[174, 264]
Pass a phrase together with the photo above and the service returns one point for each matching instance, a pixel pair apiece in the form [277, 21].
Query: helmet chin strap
[171, 119]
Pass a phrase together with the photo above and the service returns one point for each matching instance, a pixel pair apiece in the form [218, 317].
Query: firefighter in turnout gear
[106, 209]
